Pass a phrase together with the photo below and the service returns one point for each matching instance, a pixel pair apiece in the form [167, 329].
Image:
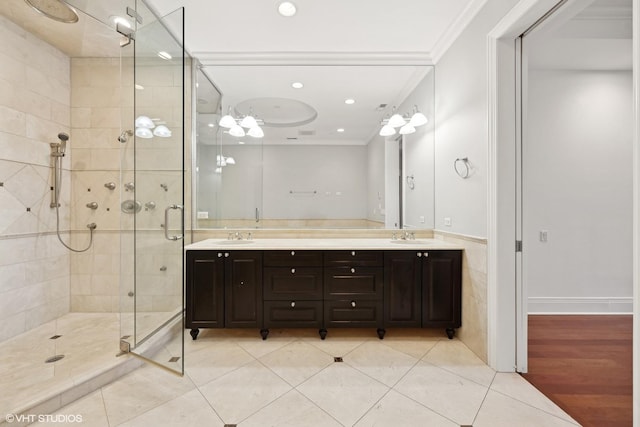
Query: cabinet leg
[264, 333]
[323, 333]
[194, 333]
[381, 332]
[450, 333]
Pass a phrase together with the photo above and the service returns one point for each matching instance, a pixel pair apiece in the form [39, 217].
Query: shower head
[63, 137]
[57, 10]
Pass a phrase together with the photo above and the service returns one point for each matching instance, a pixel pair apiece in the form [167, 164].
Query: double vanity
[322, 284]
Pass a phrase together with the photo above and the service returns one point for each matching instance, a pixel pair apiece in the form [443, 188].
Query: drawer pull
[426, 254]
[241, 283]
[353, 304]
[293, 253]
[293, 271]
[353, 270]
[226, 254]
[293, 304]
[419, 254]
[353, 253]
[219, 254]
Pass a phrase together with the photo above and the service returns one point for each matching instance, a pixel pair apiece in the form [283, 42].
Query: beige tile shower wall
[474, 291]
[97, 96]
[34, 108]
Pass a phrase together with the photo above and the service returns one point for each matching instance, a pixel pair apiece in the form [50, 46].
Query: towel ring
[463, 173]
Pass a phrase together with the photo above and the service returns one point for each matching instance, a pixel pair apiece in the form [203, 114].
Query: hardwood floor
[583, 364]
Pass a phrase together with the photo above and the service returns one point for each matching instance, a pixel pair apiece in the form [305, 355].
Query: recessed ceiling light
[297, 85]
[349, 101]
[164, 55]
[287, 9]
[340, 130]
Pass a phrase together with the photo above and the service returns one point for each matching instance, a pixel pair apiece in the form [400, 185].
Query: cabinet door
[441, 289]
[243, 289]
[403, 288]
[205, 289]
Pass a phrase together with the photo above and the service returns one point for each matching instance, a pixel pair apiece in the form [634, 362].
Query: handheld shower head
[63, 137]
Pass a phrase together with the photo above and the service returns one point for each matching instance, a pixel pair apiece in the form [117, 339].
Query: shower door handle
[166, 222]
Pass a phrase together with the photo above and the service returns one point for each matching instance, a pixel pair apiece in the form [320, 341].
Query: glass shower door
[153, 173]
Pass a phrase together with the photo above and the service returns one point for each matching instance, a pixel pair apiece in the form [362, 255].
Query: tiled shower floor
[410, 378]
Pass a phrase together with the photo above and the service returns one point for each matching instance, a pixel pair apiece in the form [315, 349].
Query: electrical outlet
[447, 222]
[203, 215]
[421, 219]
[544, 235]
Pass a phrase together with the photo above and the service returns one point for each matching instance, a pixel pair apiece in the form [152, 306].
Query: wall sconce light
[407, 123]
[237, 126]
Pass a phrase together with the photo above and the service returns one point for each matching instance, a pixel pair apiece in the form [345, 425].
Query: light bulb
[248, 122]
[397, 120]
[144, 133]
[418, 119]
[162, 131]
[231, 161]
[387, 130]
[256, 132]
[144, 122]
[237, 131]
[407, 129]
[227, 121]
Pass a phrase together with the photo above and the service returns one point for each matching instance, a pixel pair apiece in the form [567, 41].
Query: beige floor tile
[240, 393]
[499, 410]
[89, 409]
[455, 357]
[141, 391]
[413, 346]
[397, 410]
[449, 395]
[338, 342]
[513, 385]
[257, 347]
[381, 362]
[291, 410]
[343, 392]
[214, 361]
[296, 362]
[189, 410]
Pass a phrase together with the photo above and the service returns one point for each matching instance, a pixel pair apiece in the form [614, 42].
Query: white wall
[461, 125]
[577, 177]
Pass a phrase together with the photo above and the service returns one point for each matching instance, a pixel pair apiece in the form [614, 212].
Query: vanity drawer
[351, 282]
[293, 314]
[293, 258]
[301, 283]
[354, 258]
[352, 313]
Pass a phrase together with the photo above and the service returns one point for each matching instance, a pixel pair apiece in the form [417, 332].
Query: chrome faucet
[406, 235]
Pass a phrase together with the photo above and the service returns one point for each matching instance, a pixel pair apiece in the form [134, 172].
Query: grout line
[484, 398]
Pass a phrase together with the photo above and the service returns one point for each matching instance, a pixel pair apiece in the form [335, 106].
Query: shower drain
[54, 358]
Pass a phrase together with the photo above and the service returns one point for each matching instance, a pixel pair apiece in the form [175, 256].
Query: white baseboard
[592, 305]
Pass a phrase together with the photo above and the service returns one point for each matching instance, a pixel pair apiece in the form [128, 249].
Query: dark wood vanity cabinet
[423, 289]
[292, 290]
[323, 289]
[223, 289]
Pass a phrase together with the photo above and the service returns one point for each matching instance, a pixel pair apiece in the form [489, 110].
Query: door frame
[502, 307]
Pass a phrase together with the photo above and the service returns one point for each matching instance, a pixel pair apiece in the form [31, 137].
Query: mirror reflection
[314, 147]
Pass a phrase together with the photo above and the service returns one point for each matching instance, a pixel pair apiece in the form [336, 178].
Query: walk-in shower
[58, 151]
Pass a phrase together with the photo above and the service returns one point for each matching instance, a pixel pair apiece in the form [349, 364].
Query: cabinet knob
[293, 304]
[293, 253]
[353, 304]
[293, 270]
[353, 253]
[226, 254]
[426, 254]
[241, 283]
[419, 254]
[219, 254]
[353, 270]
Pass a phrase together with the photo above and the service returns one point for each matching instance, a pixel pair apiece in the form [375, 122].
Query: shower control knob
[110, 185]
[163, 268]
[92, 205]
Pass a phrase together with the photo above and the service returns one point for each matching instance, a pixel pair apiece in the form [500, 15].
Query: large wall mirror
[315, 158]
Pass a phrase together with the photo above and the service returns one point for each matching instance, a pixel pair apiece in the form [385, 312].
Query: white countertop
[322, 244]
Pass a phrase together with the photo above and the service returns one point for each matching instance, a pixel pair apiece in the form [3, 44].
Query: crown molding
[455, 29]
[313, 58]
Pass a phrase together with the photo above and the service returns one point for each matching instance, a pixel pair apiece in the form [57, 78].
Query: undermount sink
[409, 242]
[235, 242]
